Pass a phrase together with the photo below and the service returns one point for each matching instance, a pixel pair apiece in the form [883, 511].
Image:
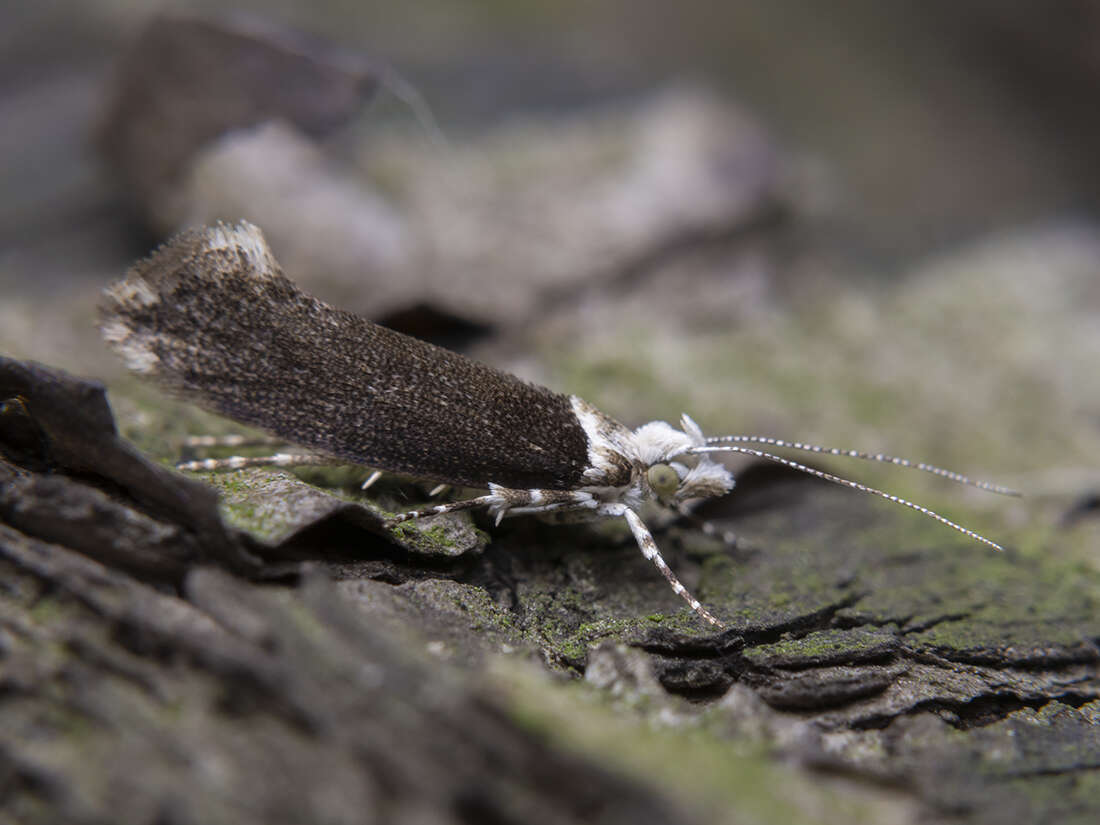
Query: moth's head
[673, 473]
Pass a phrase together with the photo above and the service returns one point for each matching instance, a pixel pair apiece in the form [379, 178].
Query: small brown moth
[211, 316]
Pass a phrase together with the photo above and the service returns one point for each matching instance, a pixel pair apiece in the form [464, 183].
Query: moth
[211, 317]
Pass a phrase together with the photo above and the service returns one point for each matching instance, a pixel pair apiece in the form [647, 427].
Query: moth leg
[728, 537]
[280, 459]
[373, 477]
[503, 501]
[649, 549]
[239, 462]
[205, 442]
[440, 509]
[377, 474]
[671, 515]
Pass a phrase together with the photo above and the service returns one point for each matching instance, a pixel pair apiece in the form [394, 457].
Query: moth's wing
[211, 316]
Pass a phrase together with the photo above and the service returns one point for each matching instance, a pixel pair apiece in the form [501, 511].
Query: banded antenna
[730, 444]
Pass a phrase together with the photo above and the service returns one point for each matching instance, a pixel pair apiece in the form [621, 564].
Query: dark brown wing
[211, 316]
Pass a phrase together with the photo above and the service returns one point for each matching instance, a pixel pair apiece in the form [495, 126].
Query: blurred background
[862, 223]
[867, 220]
[936, 121]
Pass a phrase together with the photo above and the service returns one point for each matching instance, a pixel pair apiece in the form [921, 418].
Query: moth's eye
[663, 479]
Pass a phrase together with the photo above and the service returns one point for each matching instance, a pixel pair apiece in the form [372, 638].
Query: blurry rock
[324, 223]
[215, 119]
[502, 227]
[547, 208]
[59, 447]
[187, 80]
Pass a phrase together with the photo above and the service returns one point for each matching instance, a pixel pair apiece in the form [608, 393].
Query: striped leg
[239, 462]
[503, 501]
[280, 459]
[205, 442]
[727, 536]
[649, 549]
[439, 509]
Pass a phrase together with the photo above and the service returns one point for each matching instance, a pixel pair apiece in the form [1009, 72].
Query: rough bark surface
[143, 680]
[216, 700]
[255, 647]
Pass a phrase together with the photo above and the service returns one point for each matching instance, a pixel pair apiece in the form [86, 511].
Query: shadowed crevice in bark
[835, 632]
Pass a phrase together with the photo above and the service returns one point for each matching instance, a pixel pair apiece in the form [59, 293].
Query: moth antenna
[950, 475]
[855, 485]
[409, 96]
